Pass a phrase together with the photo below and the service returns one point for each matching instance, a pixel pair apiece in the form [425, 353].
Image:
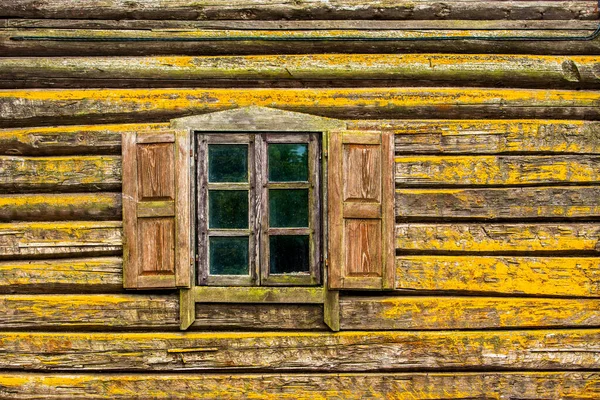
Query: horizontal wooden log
[365, 351]
[314, 9]
[147, 312]
[420, 313]
[412, 137]
[362, 69]
[403, 386]
[26, 107]
[56, 207]
[66, 140]
[81, 275]
[498, 203]
[498, 238]
[59, 239]
[65, 174]
[111, 42]
[496, 170]
[63, 312]
[535, 276]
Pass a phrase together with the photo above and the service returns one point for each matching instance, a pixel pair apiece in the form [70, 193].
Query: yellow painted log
[56, 207]
[34, 239]
[81, 275]
[364, 351]
[357, 386]
[161, 312]
[49, 106]
[444, 312]
[540, 276]
[65, 140]
[498, 238]
[496, 170]
[68, 173]
[469, 69]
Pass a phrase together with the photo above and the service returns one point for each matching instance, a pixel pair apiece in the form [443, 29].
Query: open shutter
[360, 210]
[156, 209]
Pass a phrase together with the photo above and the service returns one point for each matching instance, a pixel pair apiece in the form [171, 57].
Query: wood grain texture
[365, 351]
[59, 239]
[290, 70]
[488, 136]
[116, 312]
[498, 203]
[402, 386]
[317, 9]
[38, 106]
[500, 238]
[484, 136]
[496, 170]
[68, 140]
[537, 276]
[66, 174]
[81, 275]
[422, 313]
[56, 207]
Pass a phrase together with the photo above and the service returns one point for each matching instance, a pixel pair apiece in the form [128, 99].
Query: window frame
[258, 186]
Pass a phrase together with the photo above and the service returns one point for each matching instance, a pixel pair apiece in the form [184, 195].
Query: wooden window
[258, 209]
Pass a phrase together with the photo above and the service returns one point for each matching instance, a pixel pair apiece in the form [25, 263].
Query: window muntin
[258, 210]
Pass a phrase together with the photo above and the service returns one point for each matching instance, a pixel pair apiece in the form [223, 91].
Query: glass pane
[227, 163]
[228, 255]
[288, 254]
[228, 209]
[288, 162]
[288, 208]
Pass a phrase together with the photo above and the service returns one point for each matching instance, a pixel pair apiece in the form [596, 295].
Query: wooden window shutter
[156, 209]
[360, 210]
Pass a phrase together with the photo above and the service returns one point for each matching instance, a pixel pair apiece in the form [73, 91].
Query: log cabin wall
[497, 197]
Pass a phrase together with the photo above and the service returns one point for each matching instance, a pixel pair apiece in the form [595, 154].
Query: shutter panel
[361, 210]
[156, 209]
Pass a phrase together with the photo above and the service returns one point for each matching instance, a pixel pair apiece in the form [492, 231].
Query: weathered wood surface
[399, 386]
[412, 137]
[57, 207]
[498, 238]
[112, 42]
[65, 174]
[47, 107]
[498, 203]
[304, 24]
[59, 239]
[81, 275]
[467, 170]
[536, 276]
[67, 140]
[436, 313]
[313, 9]
[63, 312]
[489, 136]
[365, 351]
[147, 312]
[292, 70]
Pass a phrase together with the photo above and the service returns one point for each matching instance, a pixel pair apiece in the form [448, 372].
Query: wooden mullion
[262, 179]
[314, 195]
[202, 209]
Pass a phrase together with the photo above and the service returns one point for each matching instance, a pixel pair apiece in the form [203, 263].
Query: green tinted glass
[228, 209]
[288, 162]
[228, 255]
[288, 208]
[227, 163]
[288, 254]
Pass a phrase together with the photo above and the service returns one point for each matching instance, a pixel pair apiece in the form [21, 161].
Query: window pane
[288, 254]
[288, 162]
[228, 255]
[228, 209]
[288, 208]
[227, 163]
